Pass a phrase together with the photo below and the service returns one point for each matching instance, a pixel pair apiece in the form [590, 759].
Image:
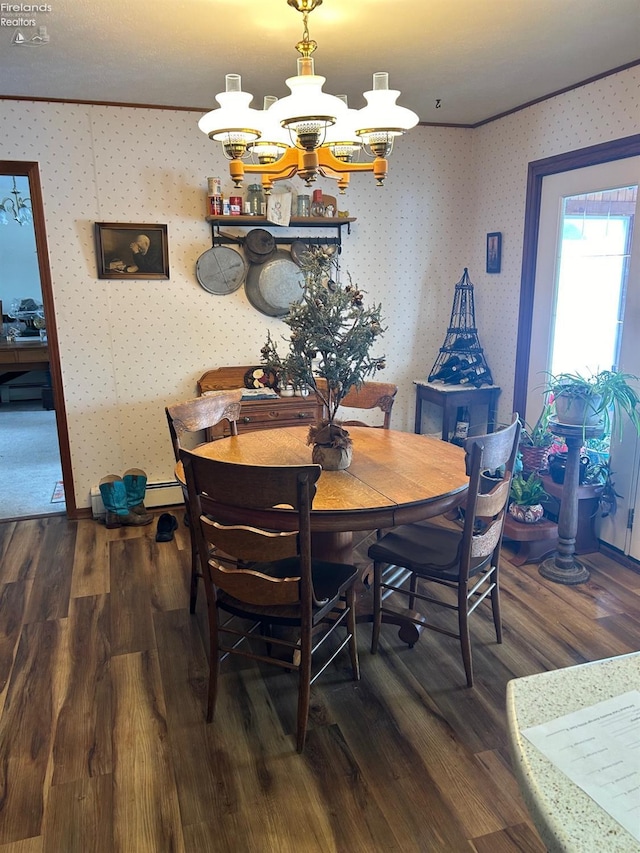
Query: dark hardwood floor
[103, 744]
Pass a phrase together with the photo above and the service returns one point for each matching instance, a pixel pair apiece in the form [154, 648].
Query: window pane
[592, 272]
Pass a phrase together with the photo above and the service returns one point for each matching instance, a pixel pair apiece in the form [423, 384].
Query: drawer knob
[246, 420]
[304, 415]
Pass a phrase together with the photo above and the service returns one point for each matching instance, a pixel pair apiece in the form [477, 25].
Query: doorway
[584, 217]
[34, 431]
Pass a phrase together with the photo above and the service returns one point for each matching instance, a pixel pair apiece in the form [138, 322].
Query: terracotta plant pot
[526, 514]
[332, 458]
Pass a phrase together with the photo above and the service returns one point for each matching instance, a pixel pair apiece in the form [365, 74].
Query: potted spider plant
[595, 399]
[332, 333]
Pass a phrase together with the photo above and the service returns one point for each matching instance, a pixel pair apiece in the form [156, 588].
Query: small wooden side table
[563, 567]
[450, 397]
[533, 542]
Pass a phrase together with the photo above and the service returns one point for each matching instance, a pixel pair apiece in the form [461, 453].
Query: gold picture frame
[132, 250]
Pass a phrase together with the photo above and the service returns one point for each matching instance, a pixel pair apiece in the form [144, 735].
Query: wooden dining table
[394, 478]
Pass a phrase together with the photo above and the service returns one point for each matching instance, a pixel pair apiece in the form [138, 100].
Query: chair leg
[463, 628]
[304, 689]
[214, 661]
[377, 606]
[413, 585]
[495, 607]
[351, 627]
[193, 594]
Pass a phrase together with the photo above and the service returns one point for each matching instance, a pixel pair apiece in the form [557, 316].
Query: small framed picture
[494, 251]
[129, 250]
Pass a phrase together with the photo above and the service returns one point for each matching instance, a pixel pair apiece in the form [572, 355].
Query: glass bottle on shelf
[317, 205]
[461, 432]
[255, 200]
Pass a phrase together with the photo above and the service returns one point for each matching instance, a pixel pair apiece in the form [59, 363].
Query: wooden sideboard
[23, 355]
[258, 414]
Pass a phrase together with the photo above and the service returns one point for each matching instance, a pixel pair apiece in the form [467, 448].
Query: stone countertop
[567, 819]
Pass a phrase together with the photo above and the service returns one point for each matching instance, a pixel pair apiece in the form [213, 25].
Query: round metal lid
[221, 270]
[272, 286]
[259, 245]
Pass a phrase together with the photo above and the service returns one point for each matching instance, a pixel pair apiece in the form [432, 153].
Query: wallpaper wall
[128, 348]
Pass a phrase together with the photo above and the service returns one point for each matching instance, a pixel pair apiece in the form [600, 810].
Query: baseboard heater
[156, 495]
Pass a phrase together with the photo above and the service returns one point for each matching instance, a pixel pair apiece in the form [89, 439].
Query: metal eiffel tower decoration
[461, 360]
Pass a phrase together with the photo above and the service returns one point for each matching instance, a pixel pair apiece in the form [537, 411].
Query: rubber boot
[135, 483]
[114, 498]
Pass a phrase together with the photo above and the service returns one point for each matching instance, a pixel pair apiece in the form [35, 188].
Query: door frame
[618, 149]
[30, 170]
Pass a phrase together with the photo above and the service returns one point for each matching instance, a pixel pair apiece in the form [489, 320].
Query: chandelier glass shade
[16, 209]
[308, 132]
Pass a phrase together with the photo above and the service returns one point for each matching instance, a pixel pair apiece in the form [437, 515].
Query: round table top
[394, 477]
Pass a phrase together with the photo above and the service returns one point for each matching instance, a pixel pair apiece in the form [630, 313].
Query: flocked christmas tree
[461, 360]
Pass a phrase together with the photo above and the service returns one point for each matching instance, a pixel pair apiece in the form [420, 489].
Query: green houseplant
[595, 399]
[526, 497]
[332, 333]
[535, 441]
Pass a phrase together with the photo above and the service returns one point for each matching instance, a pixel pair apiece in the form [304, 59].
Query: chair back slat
[249, 544]
[490, 503]
[370, 395]
[203, 412]
[496, 447]
[483, 544]
[252, 587]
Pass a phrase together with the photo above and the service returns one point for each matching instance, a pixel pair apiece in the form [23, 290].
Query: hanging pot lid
[221, 270]
[272, 286]
[259, 245]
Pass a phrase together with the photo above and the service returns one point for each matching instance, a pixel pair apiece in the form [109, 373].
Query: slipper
[167, 523]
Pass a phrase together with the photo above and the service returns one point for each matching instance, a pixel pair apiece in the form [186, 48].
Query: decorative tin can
[214, 205]
[235, 205]
[214, 186]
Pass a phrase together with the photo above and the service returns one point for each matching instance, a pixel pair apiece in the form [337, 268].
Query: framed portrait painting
[130, 250]
[494, 251]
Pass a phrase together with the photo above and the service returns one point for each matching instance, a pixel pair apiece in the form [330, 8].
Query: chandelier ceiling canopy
[308, 132]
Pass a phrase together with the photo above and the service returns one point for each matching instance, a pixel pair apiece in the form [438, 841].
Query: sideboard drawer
[269, 414]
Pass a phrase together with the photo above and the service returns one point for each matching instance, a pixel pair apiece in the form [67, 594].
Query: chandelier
[309, 132]
[18, 207]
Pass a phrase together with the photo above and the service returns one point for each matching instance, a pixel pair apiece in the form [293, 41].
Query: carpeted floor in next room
[29, 460]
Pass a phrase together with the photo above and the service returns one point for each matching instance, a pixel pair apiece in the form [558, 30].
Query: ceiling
[478, 58]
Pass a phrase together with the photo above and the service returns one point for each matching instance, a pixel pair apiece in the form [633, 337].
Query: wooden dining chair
[194, 416]
[464, 561]
[261, 514]
[370, 395]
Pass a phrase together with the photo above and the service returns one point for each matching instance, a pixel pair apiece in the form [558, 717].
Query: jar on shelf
[255, 200]
[304, 205]
[317, 205]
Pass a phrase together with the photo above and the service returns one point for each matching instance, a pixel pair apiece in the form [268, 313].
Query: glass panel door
[587, 305]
